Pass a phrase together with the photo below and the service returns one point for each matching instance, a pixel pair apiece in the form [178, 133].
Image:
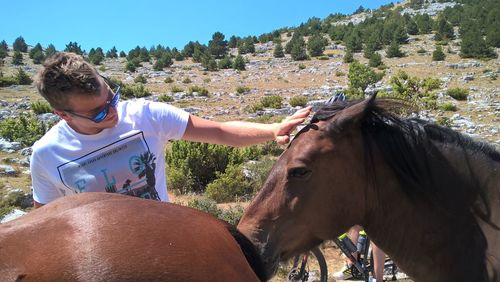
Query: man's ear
[63, 115]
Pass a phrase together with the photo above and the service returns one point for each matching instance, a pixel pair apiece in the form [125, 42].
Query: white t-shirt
[128, 158]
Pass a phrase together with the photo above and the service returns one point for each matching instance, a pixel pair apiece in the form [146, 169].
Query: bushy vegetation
[192, 166]
[298, 101]
[198, 89]
[272, 101]
[242, 89]
[25, 129]
[231, 215]
[458, 93]
[165, 98]
[41, 107]
[20, 78]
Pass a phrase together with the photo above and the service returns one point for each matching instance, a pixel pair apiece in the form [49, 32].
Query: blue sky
[127, 23]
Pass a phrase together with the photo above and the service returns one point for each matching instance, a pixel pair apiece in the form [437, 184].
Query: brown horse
[111, 237]
[427, 195]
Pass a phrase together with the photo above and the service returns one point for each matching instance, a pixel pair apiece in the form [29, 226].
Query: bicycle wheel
[305, 264]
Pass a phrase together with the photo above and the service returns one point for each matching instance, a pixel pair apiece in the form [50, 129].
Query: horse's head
[315, 190]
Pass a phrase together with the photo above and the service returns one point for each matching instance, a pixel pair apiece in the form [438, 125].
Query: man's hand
[283, 130]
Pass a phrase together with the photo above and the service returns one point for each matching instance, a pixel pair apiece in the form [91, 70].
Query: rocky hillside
[233, 94]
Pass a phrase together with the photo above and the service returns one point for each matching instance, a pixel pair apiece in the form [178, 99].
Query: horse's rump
[101, 236]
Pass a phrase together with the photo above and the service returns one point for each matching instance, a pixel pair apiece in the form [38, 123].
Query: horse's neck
[421, 237]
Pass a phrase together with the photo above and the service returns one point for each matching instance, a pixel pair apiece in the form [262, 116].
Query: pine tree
[35, 49]
[217, 46]
[316, 45]
[278, 51]
[112, 53]
[20, 45]
[4, 49]
[438, 54]
[17, 58]
[394, 51]
[74, 48]
[375, 60]
[239, 63]
[444, 30]
[348, 57]
[50, 50]
[96, 56]
[298, 51]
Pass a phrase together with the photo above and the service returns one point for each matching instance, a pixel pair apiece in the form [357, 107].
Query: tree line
[473, 22]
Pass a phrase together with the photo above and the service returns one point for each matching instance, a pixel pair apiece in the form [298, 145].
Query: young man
[102, 144]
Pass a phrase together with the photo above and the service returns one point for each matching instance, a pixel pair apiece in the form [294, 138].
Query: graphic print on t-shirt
[126, 166]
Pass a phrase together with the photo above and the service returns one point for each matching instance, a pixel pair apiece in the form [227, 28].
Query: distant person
[378, 259]
[102, 143]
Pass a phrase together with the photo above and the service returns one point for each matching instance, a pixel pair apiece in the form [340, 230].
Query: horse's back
[98, 236]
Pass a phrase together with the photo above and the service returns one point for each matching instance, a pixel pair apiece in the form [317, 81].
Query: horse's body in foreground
[110, 237]
[428, 196]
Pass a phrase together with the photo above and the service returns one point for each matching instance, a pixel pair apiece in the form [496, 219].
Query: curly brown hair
[66, 74]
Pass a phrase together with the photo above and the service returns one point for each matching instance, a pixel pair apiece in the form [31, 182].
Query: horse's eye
[299, 172]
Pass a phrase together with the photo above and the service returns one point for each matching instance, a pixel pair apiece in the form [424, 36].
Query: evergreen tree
[74, 48]
[239, 63]
[354, 42]
[35, 49]
[493, 37]
[38, 57]
[217, 46]
[348, 57]
[123, 54]
[375, 60]
[225, 63]
[298, 51]
[233, 42]
[473, 44]
[444, 30]
[246, 46]
[112, 53]
[20, 45]
[96, 56]
[394, 51]
[360, 76]
[411, 27]
[4, 49]
[438, 54]
[278, 51]
[50, 50]
[424, 23]
[316, 45]
[17, 58]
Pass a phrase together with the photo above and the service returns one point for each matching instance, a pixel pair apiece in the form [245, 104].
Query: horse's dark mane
[250, 251]
[413, 149]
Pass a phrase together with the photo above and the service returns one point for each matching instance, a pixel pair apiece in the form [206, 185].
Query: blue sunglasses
[110, 103]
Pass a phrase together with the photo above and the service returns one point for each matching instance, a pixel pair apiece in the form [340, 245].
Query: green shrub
[272, 101]
[339, 73]
[232, 215]
[165, 98]
[176, 89]
[169, 80]
[206, 205]
[140, 79]
[430, 84]
[421, 51]
[25, 129]
[41, 107]
[300, 101]
[22, 78]
[180, 180]
[200, 90]
[458, 93]
[443, 121]
[203, 161]
[323, 58]
[229, 186]
[302, 66]
[271, 148]
[448, 107]
[7, 81]
[186, 80]
[242, 89]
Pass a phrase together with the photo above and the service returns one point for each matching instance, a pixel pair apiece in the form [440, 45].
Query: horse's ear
[354, 114]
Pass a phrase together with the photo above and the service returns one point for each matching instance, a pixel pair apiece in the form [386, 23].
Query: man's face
[82, 109]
